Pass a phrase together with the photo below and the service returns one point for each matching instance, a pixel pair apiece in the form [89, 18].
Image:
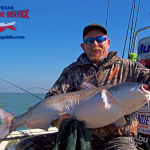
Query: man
[95, 51]
[98, 67]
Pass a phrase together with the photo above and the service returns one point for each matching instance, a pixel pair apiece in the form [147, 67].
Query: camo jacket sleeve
[144, 74]
[137, 72]
[63, 84]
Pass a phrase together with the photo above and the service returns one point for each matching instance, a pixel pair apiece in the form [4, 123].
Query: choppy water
[18, 103]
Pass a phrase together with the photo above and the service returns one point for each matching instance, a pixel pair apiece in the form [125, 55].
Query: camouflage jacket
[112, 71]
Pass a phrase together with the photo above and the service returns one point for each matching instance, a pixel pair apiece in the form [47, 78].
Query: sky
[52, 33]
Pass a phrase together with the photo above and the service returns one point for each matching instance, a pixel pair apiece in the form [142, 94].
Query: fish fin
[107, 98]
[85, 86]
[42, 123]
[120, 122]
[6, 120]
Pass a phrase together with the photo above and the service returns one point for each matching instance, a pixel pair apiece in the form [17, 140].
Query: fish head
[129, 94]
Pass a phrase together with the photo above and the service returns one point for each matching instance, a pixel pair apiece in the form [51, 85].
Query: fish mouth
[144, 88]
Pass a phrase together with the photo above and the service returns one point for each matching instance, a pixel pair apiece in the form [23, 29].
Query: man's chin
[96, 59]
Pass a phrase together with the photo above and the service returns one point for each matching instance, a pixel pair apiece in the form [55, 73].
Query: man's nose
[95, 43]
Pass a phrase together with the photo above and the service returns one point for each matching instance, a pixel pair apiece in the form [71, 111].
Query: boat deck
[16, 136]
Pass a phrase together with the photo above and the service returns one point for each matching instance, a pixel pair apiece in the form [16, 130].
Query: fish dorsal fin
[85, 86]
[120, 122]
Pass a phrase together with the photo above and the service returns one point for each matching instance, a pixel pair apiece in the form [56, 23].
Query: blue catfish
[97, 107]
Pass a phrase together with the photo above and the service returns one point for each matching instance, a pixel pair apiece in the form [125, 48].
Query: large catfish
[97, 107]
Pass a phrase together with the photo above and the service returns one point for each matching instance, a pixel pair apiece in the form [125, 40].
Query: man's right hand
[56, 123]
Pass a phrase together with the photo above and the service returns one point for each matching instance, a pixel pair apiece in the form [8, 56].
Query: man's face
[96, 51]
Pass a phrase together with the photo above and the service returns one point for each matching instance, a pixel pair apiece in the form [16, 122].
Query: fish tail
[5, 122]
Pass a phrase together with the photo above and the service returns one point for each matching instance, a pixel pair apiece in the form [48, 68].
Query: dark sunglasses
[99, 39]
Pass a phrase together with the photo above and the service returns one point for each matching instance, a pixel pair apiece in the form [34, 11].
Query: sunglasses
[99, 39]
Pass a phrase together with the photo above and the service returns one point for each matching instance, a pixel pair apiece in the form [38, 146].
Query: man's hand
[56, 123]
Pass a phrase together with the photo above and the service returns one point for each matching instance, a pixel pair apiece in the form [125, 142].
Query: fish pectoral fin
[107, 99]
[42, 124]
[85, 86]
[120, 122]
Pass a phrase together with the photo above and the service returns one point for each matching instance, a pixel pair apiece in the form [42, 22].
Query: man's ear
[82, 46]
[108, 41]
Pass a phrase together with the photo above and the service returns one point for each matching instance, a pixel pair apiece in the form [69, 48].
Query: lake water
[18, 103]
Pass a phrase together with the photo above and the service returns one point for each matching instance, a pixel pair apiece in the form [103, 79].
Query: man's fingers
[66, 116]
[58, 121]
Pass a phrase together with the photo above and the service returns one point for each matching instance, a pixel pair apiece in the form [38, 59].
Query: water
[18, 103]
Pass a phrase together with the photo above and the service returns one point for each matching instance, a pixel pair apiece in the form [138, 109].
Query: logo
[143, 119]
[11, 12]
[3, 26]
[143, 49]
[139, 140]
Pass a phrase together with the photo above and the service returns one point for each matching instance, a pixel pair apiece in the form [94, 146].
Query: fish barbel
[97, 107]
